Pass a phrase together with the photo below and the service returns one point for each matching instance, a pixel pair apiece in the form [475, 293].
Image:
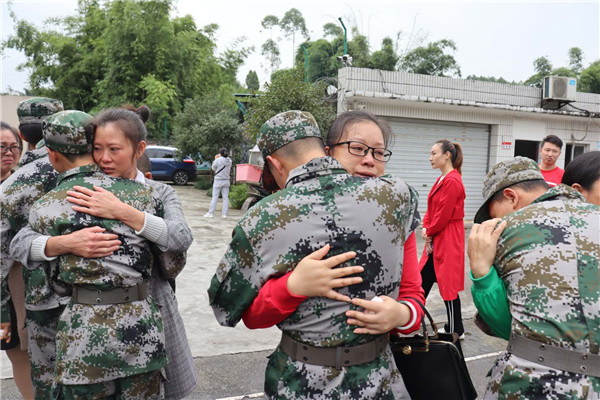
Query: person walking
[317, 207]
[222, 170]
[547, 256]
[443, 259]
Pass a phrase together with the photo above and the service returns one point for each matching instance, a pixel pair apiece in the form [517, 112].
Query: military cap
[37, 109]
[503, 175]
[280, 130]
[66, 132]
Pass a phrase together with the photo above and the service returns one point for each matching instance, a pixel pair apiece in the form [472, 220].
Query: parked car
[166, 166]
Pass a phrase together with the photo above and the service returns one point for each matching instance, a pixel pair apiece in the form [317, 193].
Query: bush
[237, 195]
[203, 182]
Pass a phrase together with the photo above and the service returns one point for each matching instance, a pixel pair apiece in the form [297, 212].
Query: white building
[492, 122]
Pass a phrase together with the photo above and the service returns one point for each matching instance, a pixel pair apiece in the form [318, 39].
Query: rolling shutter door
[410, 156]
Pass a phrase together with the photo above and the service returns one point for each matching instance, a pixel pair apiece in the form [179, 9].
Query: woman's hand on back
[98, 202]
[378, 317]
[315, 277]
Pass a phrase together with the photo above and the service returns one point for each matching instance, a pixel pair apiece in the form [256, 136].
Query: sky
[500, 39]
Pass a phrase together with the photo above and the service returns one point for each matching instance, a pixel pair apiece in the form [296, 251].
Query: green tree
[270, 50]
[208, 123]
[332, 30]
[288, 91]
[252, 81]
[589, 80]
[120, 51]
[233, 58]
[386, 58]
[542, 67]
[575, 60]
[432, 59]
[293, 22]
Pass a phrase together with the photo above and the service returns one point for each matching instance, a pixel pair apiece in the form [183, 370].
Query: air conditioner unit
[561, 88]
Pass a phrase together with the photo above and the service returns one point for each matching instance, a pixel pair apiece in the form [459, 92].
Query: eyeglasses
[361, 149]
[13, 149]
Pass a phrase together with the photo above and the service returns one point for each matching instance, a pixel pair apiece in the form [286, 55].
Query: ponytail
[456, 153]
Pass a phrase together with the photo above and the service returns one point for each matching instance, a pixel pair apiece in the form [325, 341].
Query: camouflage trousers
[288, 379]
[41, 332]
[515, 378]
[146, 386]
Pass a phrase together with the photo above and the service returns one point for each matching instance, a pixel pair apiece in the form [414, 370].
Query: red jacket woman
[443, 259]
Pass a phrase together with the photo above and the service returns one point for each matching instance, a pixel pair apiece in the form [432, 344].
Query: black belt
[338, 357]
[113, 296]
[554, 357]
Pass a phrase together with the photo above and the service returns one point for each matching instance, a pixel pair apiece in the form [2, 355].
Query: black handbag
[433, 367]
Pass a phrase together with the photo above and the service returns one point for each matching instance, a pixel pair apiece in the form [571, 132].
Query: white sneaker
[208, 215]
[224, 216]
[443, 330]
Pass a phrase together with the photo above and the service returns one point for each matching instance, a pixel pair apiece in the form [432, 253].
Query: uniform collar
[559, 191]
[88, 169]
[33, 155]
[316, 167]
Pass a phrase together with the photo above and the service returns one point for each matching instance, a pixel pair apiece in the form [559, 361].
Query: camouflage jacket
[321, 204]
[97, 343]
[548, 258]
[33, 155]
[19, 192]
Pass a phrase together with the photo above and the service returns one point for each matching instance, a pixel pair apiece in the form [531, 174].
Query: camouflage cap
[503, 175]
[280, 130]
[37, 109]
[66, 132]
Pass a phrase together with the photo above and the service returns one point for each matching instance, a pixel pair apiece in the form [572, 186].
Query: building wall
[8, 108]
[513, 112]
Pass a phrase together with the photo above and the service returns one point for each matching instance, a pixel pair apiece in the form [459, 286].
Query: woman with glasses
[11, 149]
[359, 141]
[443, 259]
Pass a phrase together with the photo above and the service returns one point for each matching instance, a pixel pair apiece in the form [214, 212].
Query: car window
[168, 154]
[151, 153]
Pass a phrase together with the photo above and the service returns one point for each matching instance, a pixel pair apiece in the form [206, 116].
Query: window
[527, 148]
[572, 151]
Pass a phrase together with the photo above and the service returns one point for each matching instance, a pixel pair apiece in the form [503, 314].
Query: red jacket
[444, 223]
[274, 302]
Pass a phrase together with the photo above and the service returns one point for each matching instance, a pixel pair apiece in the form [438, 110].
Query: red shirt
[554, 176]
[274, 302]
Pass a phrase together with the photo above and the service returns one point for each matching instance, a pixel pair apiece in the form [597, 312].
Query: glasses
[361, 149]
[13, 149]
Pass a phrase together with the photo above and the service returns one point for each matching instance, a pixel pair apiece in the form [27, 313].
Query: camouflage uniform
[548, 258]
[20, 191]
[96, 344]
[320, 205]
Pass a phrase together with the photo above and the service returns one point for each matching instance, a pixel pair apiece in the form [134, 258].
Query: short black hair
[583, 169]
[32, 132]
[224, 152]
[552, 139]
[527, 186]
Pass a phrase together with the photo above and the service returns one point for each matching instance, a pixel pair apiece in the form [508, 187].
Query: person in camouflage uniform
[548, 259]
[113, 347]
[320, 204]
[33, 179]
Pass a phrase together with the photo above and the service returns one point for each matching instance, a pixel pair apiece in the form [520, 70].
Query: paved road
[231, 361]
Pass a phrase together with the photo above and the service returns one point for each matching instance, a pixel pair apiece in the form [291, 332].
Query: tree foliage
[124, 51]
[252, 82]
[589, 80]
[208, 123]
[432, 59]
[386, 58]
[288, 91]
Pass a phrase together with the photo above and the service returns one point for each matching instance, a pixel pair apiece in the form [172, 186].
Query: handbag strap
[217, 173]
[424, 325]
